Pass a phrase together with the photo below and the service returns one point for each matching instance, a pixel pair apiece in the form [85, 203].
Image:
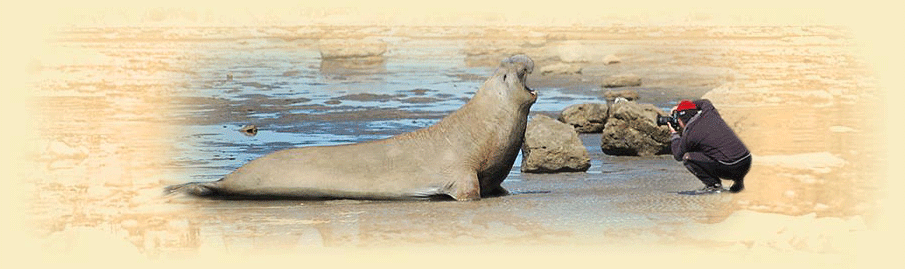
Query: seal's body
[465, 156]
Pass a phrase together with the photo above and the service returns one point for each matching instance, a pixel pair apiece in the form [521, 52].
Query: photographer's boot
[738, 186]
[713, 188]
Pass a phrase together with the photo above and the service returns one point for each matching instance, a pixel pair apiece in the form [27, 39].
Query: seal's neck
[496, 127]
[497, 105]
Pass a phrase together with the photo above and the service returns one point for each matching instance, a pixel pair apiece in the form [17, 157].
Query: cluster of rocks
[627, 128]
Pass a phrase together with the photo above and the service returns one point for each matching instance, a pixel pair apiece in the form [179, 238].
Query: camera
[671, 120]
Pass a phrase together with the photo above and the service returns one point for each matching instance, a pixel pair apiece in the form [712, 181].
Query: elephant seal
[464, 156]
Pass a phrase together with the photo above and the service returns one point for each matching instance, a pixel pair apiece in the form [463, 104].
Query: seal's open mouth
[523, 77]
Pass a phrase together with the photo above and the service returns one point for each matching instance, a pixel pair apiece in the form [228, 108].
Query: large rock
[631, 129]
[552, 146]
[624, 80]
[586, 118]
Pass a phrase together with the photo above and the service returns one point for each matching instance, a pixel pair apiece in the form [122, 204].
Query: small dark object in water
[249, 130]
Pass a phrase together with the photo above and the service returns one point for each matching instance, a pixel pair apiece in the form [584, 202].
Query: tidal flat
[123, 112]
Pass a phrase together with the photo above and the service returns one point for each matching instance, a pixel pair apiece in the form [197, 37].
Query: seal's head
[510, 81]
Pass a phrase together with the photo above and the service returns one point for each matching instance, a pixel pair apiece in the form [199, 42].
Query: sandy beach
[121, 112]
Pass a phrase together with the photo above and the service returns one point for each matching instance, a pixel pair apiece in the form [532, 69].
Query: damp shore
[123, 112]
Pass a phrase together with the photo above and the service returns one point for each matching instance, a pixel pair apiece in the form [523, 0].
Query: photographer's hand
[672, 112]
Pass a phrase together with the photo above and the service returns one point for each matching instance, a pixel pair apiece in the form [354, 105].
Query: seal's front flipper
[500, 191]
[465, 189]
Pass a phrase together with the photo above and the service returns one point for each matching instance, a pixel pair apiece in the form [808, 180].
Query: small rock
[551, 146]
[628, 95]
[611, 59]
[573, 52]
[229, 76]
[586, 118]
[624, 80]
[560, 69]
[249, 130]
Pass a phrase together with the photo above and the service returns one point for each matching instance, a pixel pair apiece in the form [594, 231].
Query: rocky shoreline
[628, 129]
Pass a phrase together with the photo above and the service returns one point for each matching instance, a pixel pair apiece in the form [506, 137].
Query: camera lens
[663, 120]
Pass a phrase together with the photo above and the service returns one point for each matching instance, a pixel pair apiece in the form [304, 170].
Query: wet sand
[123, 112]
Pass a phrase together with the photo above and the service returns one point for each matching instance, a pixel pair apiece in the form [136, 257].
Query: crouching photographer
[707, 146]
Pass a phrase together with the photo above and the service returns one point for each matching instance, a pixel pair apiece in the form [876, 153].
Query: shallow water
[315, 107]
[127, 111]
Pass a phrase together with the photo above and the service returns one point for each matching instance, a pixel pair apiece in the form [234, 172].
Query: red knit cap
[686, 105]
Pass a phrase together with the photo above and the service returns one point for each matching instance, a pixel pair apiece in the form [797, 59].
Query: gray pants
[709, 171]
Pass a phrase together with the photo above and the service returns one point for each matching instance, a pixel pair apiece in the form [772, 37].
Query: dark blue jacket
[709, 134]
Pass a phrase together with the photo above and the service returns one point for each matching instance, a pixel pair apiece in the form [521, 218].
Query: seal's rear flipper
[193, 188]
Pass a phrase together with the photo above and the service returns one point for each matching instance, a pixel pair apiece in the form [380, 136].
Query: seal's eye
[504, 77]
